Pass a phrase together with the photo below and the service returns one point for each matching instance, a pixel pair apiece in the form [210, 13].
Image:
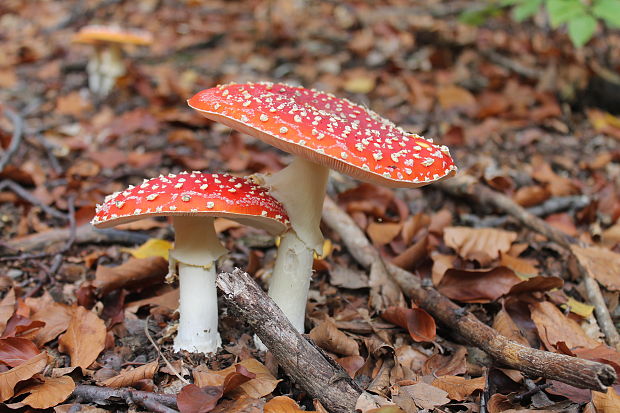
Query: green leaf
[561, 11]
[581, 29]
[526, 9]
[477, 16]
[608, 10]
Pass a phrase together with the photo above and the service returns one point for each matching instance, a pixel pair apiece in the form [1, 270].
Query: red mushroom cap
[194, 194]
[330, 131]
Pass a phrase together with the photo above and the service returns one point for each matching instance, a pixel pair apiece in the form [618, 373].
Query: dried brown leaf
[133, 375]
[480, 244]
[477, 286]
[261, 385]
[459, 388]
[15, 351]
[522, 267]
[327, 336]
[9, 379]
[420, 325]
[193, 399]
[50, 393]
[7, 308]
[447, 365]
[606, 402]
[538, 283]
[56, 317]
[133, 274]
[84, 339]
[351, 364]
[554, 327]
[382, 233]
[504, 324]
[426, 396]
[283, 404]
[602, 264]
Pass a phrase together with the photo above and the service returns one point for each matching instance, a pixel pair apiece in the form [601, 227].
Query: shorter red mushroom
[194, 200]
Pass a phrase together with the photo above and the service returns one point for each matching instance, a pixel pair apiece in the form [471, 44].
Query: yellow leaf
[152, 248]
[360, 84]
[579, 308]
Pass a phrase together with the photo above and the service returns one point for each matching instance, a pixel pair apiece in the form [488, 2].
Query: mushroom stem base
[291, 278]
[198, 310]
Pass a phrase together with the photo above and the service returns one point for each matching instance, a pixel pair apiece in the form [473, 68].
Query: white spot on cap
[283, 129]
[210, 204]
[264, 118]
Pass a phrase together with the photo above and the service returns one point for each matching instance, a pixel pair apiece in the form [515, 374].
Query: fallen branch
[316, 373]
[155, 402]
[536, 363]
[469, 187]
[24, 194]
[84, 234]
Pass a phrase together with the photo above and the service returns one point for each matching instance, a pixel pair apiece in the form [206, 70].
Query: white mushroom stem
[105, 68]
[300, 187]
[195, 251]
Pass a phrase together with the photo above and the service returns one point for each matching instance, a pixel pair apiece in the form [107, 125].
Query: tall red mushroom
[194, 200]
[324, 132]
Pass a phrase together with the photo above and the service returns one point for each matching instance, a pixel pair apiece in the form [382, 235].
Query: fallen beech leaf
[7, 308]
[351, 364]
[152, 248]
[505, 325]
[579, 308]
[133, 274]
[447, 365]
[413, 255]
[84, 339]
[573, 393]
[441, 264]
[20, 326]
[386, 409]
[480, 244]
[130, 377]
[528, 196]
[193, 399]
[56, 317]
[169, 300]
[243, 404]
[459, 388]
[426, 396]
[420, 325]
[382, 233]
[327, 336]
[604, 122]
[522, 267]
[283, 404]
[346, 277]
[15, 351]
[259, 386]
[451, 96]
[477, 286]
[602, 264]
[24, 371]
[553, 327]
[537, 283]
[49, 393]
[359, 84]
[606, 402]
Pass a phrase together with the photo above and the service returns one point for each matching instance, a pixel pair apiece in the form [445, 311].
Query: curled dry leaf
[381, 233]
[133, 375]
[459, 388]
[261, 385]
[606, 402]
[15, 351]
[56, 317]
[84, 339]
[133, 274]
[351, 364]
[537, 283]
[283, 404]
[477, 286]
[327, 336]
[21, 326]
[24, 371]
[480, 244]
[426, 396]
[447, 365]
[49, 393]
[193, 399]
[420, 325]
[602, 264]
[522, 267]
[505, 325]
[554, 327]
[7, 308]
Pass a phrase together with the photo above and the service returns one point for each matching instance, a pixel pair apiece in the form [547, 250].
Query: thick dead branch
[84, 234]
[154, 402]
[536, 363]
[315, 372]
[469, 187]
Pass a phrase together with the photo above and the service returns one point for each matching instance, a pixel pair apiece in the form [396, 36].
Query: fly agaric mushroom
[193, 200]
[323, 132]
[107, 65]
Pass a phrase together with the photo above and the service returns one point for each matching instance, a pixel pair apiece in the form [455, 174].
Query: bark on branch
[164, 403]
[536, 363]
[466, 186]
[315, 372]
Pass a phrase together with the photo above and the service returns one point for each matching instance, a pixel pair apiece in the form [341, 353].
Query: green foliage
[581, 17]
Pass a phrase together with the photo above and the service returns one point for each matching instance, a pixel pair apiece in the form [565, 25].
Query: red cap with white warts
[194, 194]
[330, 131]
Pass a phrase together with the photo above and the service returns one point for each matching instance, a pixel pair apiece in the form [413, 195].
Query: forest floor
[522, 110]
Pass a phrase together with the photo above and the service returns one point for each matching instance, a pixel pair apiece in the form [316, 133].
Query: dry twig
[321, 377]
[469, 187]
[537, 363]
[164, 403]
